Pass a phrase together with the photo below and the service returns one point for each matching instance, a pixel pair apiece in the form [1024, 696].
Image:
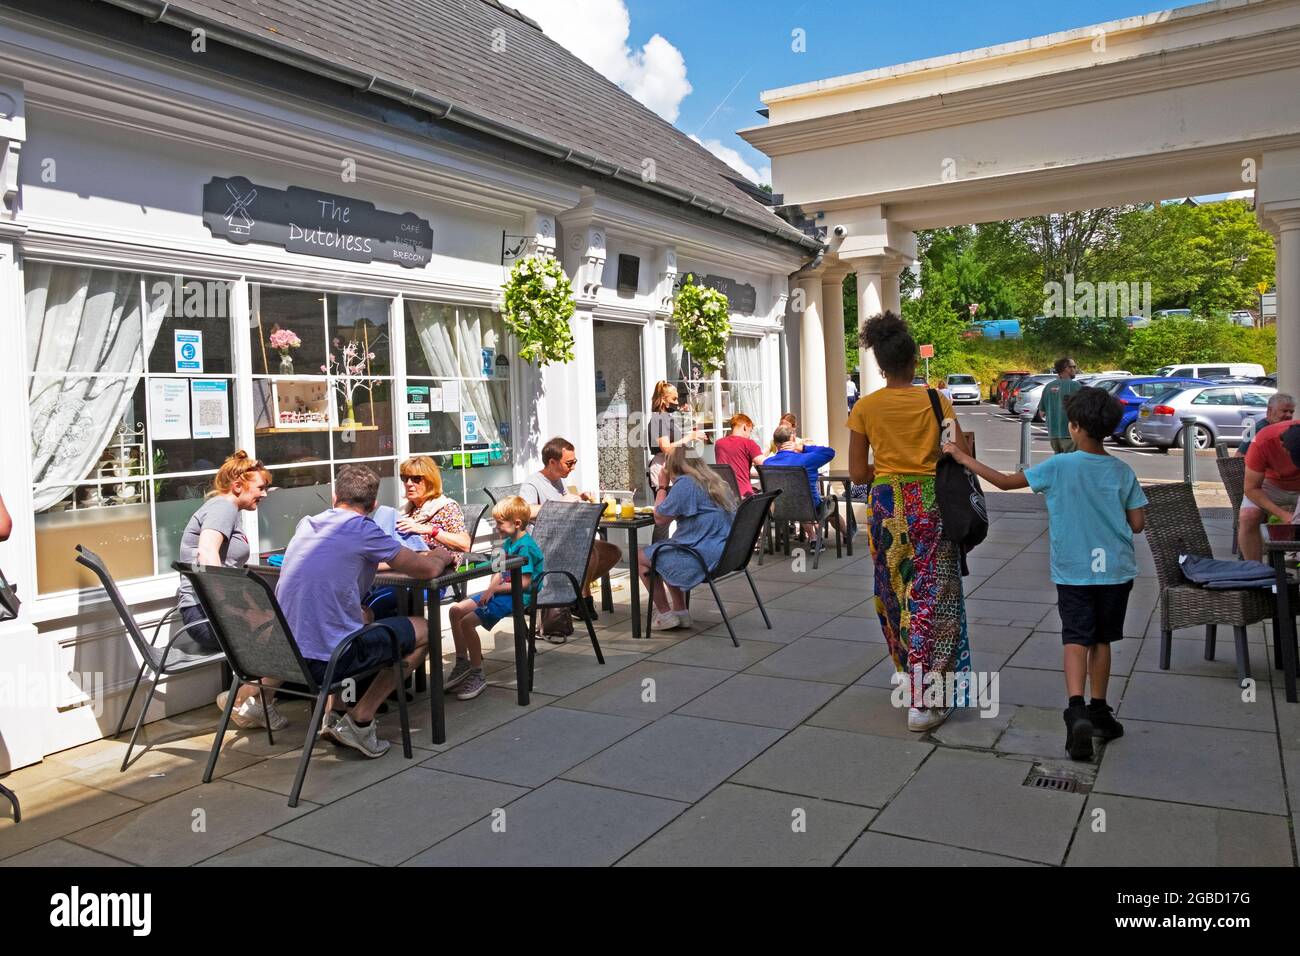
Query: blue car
[1133, 391]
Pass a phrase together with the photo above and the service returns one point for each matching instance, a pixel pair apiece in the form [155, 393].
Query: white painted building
[385, 212]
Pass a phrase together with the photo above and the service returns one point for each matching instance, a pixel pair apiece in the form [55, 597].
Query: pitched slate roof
[440, 55]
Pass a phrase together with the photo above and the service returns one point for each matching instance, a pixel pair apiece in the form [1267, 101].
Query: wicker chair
[796, 505]
[1174, 528]
[249, 625]
[165, 662]
[565, 531]
[746, 526]
[1232, 471]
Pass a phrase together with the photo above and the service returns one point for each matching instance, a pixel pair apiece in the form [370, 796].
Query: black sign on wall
[741, 296]
[314, 223]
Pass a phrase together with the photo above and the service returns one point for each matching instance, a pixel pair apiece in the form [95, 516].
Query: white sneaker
[364, 739]
[248, 715]
[684, 617]
[666, 622]
[921, 719]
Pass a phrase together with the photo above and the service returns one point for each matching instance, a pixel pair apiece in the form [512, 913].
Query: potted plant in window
[703, 318]
[538, 303]
[284, 341]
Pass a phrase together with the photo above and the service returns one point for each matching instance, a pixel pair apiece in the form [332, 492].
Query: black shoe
[590, 602]
[1104, 724]
[1078, 733]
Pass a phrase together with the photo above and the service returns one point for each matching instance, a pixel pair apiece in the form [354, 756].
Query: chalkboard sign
[315, 223]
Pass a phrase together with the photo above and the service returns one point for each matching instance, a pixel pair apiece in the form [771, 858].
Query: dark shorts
[200, 635]
[371, 648]
[1092, 613]
[497, 609]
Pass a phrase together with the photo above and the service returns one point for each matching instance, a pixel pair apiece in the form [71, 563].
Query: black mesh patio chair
[728, 475]
[795, 506]
[1173, 528]
[164, 663]
[1232, 471]
[251, 629]
[498, 492]
[473, 557]
[566, 532]
[746, 526]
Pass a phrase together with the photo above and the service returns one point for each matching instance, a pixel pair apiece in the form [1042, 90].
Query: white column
[1288, 300]
[836, 370]
[870, 287]
[582, 392]
[812, 364]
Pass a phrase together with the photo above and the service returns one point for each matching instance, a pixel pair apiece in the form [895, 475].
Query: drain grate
[1061, 779]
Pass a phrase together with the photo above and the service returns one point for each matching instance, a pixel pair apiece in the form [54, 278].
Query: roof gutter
[160, 11]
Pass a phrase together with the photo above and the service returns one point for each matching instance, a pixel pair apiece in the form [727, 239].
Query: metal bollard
[1026, 436]
[1189, 449]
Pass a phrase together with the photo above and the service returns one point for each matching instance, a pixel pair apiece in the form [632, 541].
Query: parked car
[998, 390]
[1211, 369]
[1242, 317]
[1027, 398]
[921, 381]
[963, 388]
[1221, 413]
[1136, 321]
[1013, 393]
[1133, 392]
[1172, 314]
[1001, 328]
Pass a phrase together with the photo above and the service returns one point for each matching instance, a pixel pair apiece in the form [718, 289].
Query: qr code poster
[210, 408]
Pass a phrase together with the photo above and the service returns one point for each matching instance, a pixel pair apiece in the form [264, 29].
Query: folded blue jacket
[1220, 575]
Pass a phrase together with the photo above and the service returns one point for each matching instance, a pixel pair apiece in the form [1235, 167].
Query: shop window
[130, 389]
[457, 399]
[738, 386]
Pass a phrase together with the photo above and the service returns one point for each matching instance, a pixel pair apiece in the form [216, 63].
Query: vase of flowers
[349, 371]
[285, 341]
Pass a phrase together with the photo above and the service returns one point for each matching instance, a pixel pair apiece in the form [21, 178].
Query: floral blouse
[442, 515]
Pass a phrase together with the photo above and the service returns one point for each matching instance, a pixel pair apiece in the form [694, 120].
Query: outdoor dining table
[414, 590]
[844, 478]
[633, 527]
[1279, 539]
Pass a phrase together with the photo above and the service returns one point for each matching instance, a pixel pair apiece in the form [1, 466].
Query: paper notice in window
[169, 409]
[451, 396]
[210, 408]
[435, 399]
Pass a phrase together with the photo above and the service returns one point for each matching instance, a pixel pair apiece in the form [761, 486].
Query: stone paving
[686, 750]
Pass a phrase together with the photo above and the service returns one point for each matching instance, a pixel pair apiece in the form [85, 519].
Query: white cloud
[596, 31]
[737, 162]
[1241, 194]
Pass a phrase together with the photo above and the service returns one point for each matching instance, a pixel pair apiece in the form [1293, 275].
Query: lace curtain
[744, 376]
[82, 320]
[462, 357]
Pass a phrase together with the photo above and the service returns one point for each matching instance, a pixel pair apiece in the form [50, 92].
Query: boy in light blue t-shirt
[1094, 507]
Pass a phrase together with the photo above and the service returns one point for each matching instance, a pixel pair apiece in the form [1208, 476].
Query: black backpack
[960, 498]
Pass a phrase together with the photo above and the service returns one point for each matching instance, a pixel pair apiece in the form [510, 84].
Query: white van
[1243, 369]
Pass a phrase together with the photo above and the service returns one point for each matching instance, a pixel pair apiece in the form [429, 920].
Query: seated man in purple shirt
[328, 568]
[811, 458]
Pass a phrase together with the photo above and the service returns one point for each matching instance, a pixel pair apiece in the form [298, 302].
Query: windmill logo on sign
[239, 208]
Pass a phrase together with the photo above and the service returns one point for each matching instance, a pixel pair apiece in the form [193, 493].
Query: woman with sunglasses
[426, 511]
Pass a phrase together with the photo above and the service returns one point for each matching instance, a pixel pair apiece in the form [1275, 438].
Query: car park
[1211, 369]
[1221, 413]
[963, 388]
[998, 390]
[1134, 391]
[1013, 393]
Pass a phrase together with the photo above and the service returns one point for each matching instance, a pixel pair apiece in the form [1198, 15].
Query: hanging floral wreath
[703, 318]
[538, 305]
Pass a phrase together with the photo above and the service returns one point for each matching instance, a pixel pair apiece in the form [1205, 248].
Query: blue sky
[725, 43]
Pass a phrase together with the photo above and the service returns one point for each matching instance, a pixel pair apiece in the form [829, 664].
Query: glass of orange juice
[629, 510]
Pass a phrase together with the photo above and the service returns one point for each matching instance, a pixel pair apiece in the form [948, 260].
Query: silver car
[963, 388]
[1028, 399]
[1221, 413]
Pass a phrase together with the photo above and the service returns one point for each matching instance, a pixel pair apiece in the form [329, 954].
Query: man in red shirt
[1272, 484]
[739, 452]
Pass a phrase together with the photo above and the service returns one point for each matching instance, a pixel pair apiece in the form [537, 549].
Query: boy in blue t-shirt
[1094, 507]
[512, 516]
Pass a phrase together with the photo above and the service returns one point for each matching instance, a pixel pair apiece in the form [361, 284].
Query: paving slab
[397, 818]
[996, 639]
[787, 625]
[864, 710]
[1039, 732]
[560, 824]
[568, 668]
[741, 826]
[466, 719]
[848, 628]
[820, 598]
[55, 808]
[969, 727]
[1182, 763]
[1044, 651]
[1045, 688]
[334, 770]
[537, 747]
[883, 849]
[678, 758]
[268, 851]
[836, 765]
[647, 689]
[817, 659]
[1185, 699]
[717, 651]
[1154, 833]
[173, 831]
[1188, 657]
[61, 853]
[162, 770]
[978, 801]
[764, 701]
